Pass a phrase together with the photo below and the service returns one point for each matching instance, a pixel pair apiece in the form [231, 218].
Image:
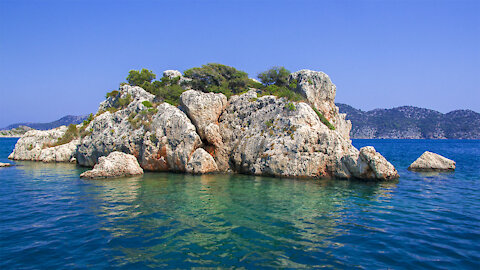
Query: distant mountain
[64, 121]
[408, 122]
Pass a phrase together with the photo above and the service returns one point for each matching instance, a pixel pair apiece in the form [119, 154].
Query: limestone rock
[5, 165]
[380, 167]
[170, 142]
[320, 92]
[15, 132]
[35, 145]
[171, 74]
[429, 161]
[120, 130]
[263, 136]
[204, 109]
[116, 164]
[201, 162]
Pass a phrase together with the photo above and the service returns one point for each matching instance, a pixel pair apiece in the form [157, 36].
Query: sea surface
[52, 219]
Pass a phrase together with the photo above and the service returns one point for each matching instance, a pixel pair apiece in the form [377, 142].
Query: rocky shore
[248, 133]
[14, 132]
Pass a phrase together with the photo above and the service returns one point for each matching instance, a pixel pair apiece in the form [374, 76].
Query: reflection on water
[243, 219]
[50, 218]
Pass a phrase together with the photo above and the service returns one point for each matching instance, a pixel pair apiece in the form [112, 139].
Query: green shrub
[140, 78]
[282, 91]
[323, 119]
[219, 78]
[153, 138]
[147, 104]
[269, 123]
[276, 75]
[123, 102]
[114, 93]
[71, 133]
[290, 106]
[88, 120]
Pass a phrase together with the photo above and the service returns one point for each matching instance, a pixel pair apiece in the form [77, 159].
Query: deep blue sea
[52, 219]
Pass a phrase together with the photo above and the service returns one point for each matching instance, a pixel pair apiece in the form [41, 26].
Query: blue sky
[61, 57]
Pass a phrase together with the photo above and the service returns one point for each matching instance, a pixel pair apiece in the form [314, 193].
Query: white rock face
[262, 136]
[162, 138]
[429, 161]
[320, 92]
[61, 153]
[201, 162]
[35, 146]
[111, 132]
[5, 165]
[170, 142]
[172, 74]
[380, 167]
[116, 164]
[204, 109]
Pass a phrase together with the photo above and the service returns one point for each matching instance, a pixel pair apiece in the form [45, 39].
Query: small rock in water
[5, 164]
[116, 164]
[429, 161]
[201, 162]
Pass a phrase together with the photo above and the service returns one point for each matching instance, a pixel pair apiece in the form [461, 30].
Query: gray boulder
[116, 164]
[201, 162]
[429, 161]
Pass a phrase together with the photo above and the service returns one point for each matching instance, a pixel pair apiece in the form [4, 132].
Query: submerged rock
[429, 161]
[36, 145]
[116, 164]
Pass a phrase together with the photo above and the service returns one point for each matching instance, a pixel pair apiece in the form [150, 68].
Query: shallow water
[50, 218]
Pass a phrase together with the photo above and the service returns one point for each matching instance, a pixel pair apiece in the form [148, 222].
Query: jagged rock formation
[15, 132]
[35, 145]
[262, 136]
[409, 122]
[429, 161]
[248, 134]
[116, 164]
[204, 109]
[320, 92]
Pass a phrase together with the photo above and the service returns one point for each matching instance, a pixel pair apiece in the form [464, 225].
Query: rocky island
[215, 119]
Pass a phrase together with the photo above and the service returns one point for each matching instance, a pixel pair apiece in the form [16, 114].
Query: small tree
[276, 75]
[215, 77]
[139, 78]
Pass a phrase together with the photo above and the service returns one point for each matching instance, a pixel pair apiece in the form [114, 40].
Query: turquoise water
[51, 219]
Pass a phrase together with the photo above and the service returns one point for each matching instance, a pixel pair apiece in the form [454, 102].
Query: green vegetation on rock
[323, 119]
[219, 78]
[71, 134]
